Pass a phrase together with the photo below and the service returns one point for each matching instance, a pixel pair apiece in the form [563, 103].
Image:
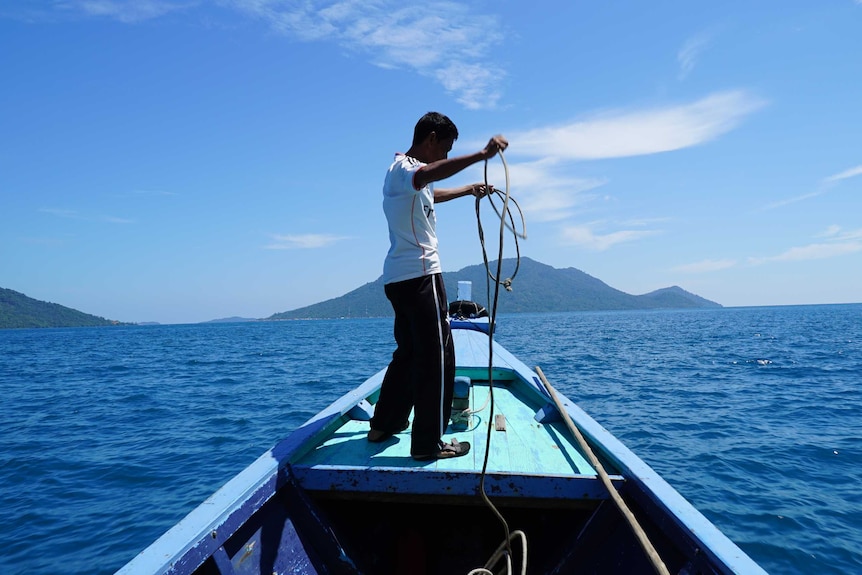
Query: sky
[179, 161]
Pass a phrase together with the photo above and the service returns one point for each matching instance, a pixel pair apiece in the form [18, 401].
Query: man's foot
[378, 435]
[447, 451]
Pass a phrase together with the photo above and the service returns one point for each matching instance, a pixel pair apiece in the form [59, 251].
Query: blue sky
[180, 160]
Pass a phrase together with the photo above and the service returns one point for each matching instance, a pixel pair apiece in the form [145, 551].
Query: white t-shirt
[412, 224]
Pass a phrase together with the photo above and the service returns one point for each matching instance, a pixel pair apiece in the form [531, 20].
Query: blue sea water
[111, 435]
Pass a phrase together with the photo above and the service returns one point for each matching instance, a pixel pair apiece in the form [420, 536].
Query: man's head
[437, 123]
[434, 134]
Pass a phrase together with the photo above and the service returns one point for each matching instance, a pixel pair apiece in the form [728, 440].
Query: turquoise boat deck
[530, 453]
[519, 444]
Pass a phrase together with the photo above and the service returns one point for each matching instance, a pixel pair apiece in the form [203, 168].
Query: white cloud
[837, 232]
[116, 220]
[122, 10]
[823, 188]
[542, 188]
[705, 266]
[61, 212]
[75, 215]
[547, 192]
[152, 193]
[812, 252]
[438, 41]
[624, 133]
[829, 232]
[303, 241]
[843, 243]
[851, 173]
[788, 201]
[690, 52]
[586, 237]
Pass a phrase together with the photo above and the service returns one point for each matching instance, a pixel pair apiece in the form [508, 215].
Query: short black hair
[434, 122]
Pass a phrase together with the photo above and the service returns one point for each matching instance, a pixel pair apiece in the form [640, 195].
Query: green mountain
[537, 287]
[18, 310]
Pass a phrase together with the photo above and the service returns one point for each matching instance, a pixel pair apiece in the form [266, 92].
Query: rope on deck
[644, 541]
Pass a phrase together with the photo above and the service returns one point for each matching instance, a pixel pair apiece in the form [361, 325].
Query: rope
[498, 554]
[510, 225]
[647, 546]
[505, 549]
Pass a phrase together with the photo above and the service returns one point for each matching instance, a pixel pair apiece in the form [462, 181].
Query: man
[422, 371]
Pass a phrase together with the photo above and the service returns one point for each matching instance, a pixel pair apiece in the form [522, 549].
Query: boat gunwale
[210, 525]
[642, 482]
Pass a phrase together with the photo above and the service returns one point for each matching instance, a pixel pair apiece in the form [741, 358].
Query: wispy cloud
[544, 189]
[123, 10]
[588, 237]
[303, 241]
[851, 173]
[839, 243]
[551, 193]
[793, 200]
[690, 52]
[830, 232]
[75, 215]
[152, 193]
[705, 266]
[439, 41]
[623, 133]
[60, 212]
[825, 185]
[449, 42]
[812, 252]
[45, 242]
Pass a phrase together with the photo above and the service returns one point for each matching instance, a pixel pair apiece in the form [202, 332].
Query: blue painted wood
[362, 411]
[413, 481]
[533, 458]
[548, 414]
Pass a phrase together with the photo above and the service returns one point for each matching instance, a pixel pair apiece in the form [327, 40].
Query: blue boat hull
[324, 500]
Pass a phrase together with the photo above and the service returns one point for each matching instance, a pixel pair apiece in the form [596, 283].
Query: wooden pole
[644, 541]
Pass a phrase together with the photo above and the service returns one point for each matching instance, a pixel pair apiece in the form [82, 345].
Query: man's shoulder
[399, 177]
[405, 162]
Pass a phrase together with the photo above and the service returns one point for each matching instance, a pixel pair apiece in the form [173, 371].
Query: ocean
[112, 435]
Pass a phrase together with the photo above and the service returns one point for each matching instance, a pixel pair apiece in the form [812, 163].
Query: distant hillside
[536, 288]
[18, 310]
[232, 319]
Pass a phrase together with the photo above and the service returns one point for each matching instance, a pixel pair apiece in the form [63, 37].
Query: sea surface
[109, 436]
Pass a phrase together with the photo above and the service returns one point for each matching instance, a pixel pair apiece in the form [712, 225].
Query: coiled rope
[503, 214]
[505, 549]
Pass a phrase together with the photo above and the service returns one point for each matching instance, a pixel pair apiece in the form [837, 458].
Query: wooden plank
[403, 482]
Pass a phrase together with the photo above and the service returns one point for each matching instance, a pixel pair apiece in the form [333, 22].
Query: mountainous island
[18, 310]
[537, 287]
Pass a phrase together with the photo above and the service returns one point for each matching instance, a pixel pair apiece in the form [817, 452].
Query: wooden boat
[545, 489]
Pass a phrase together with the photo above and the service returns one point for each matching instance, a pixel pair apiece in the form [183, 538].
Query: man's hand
[481, 190]
[494, 145]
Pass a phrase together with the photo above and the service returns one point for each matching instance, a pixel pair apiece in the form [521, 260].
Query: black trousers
[421, 375]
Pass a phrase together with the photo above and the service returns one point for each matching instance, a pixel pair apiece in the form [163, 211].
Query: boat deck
[519, 444]
[326, 497]
[530, 453]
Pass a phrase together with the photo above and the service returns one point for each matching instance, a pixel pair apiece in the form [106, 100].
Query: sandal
[447, 451]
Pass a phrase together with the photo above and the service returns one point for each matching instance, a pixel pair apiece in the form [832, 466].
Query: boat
[544, 489]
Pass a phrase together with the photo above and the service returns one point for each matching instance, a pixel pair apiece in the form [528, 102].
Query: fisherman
[421, 374]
